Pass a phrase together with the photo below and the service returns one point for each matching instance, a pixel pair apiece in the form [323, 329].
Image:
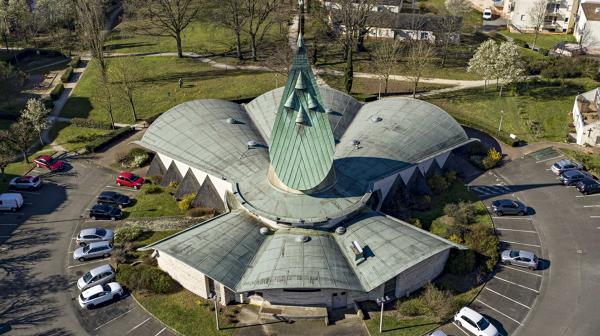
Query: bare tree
[385, 57]
[90, 14]
[230, 14]
[127, 73]
[260, 17]
[21, 135]
[587, 38]
[448, 33]
[537, 15]
[280, 56]
[418, 58]
[170, 17]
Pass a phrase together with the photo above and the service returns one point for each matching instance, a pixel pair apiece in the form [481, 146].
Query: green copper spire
[301, 144]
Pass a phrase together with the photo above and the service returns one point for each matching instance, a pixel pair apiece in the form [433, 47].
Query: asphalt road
[37, 271]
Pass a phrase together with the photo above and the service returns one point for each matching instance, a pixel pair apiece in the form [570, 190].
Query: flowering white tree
[509, 66]
[483, 61]
[35, 114]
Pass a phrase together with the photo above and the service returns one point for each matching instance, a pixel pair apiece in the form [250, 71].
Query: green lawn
[545, 104]
[471, 18]
[545, 41]
[371, 86]
[158, 91]
[187, 313]
[149, 237]
[153, 205]
[72, 137]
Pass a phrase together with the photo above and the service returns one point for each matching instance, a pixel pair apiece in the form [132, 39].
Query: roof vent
[264, 231]
[252, 144]
[359, 254]
[231, 121]
[340, 230]
[355, 143]
[376, 119]
[302, 239]
[328, 110]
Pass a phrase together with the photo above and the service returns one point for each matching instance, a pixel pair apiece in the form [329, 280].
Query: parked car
[474, 322]
[11, 202]
[508, 207]
[91, 235]
[128, 179]
[571, 177]
[100, 211]
[114, 199]
[565, 165]
[487, 14]
[93, 250]
[588, 186]
[99, 294]
[48, 162]
[519, 258]
[25, 182]
[96, 276]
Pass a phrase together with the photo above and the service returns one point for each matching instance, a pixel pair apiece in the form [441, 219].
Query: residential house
[588, 26]
[560, 15]
[586, 118]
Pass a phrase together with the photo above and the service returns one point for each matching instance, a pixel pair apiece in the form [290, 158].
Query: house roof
[591, 10]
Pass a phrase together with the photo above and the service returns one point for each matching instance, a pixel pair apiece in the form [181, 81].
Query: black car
[588, 186]
[571, 177]
[100, 211]
[114, 199]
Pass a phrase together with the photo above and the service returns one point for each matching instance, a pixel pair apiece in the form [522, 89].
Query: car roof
[471, 314]
[504, 201]
[108, 193]
[100, 206]
[572, 172]
[90, 230]
[45, 157]
[100, 243]
[92, 290]
[126, 174]
[101, 269]
[526, 254]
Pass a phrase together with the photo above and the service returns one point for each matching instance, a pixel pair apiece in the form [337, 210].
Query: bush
[483, 239]
[186, 201]
[48, 102]
[152, 189]
[127, 234]
[439, 302]
[89, 123]
[145, 277]
[460, 262]
[463, 212]
[75, 61]
[450, 177]
[445, 227]
[66, 75]
[200, 212]
[492, 159]
[437, 184]
[135, 158]
[173, 184]
[57, 91]
[156, 179]
[412, 307]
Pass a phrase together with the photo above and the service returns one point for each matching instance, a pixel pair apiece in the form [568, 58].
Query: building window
[424, 35]
[522, 17]
[566, 20]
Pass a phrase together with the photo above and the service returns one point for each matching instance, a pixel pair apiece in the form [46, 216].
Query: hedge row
[66, 75]
[89, 123]
[100, 142]
[145, 277]
[57, 91]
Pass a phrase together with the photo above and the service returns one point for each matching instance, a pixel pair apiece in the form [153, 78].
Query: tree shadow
[77, 107]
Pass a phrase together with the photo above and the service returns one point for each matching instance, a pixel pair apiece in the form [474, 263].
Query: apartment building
[588, 26]
[560, 15]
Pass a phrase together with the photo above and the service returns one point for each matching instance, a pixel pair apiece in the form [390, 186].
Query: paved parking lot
[37, 244]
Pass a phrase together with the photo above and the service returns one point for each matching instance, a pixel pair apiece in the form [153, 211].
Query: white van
[11, 202]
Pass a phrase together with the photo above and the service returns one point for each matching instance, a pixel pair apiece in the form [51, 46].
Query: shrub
[450, 177]
[127, 234]
[460, 262]
[66, 75]
[89, 123]
[145, 277]
[492, 159]
[186, 201]
[57, 91]
[412, 307]
[416, 222]
[200, 212]
[455, 238]
[152, 189]
[463, 212]
[476, 148]
[437, 184]
[173, 184]
[75, 61]
[48, 102]
[439, 302]
[135, 158]
[444, 227]
[156, 179]
[483, 239]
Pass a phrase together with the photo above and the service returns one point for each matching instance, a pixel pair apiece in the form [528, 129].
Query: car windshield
[87, 276]
[483, 324]
[514, 254]
[86, 248]
[35, 179]
[133, 177]
[106, 287]
[101, 232]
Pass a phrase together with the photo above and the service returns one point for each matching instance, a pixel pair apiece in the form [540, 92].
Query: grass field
[153, 205]
[545, 41]
[545, 104]
[72, 138]
[158, 90]
[371, 86]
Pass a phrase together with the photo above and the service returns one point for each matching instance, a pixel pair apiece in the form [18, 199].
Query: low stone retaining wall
[163, 223]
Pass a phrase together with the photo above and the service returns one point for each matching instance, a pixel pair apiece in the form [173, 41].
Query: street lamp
[501, 117]
[382, 301]
[215, 297]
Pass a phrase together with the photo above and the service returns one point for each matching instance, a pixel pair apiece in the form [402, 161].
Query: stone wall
[164, 223]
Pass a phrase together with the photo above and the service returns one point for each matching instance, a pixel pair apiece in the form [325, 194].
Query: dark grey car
[509, 207]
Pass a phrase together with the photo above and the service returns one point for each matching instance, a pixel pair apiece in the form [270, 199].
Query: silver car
[520, 258]
[565, 165]
[93, 250]
[96, 276]
[87, 236]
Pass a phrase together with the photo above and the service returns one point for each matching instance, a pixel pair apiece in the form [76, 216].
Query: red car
[48, 162]
[129, 180]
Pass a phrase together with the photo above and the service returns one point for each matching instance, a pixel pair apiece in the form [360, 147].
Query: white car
[25, 182]
[474, 322]
[487, 14]
[96, 276]
[96, 295]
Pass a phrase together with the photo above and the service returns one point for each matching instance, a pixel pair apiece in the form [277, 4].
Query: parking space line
[520, 270]
[552, 158]
[591, 206]
[527, 231]
[512, 217]
[516, 284]
[89, 262]
[160, 332]
[506, 297]
[460, 328]
[497, 311]
[123, 188]
[594, 216]
[512, 242]
[137, 326]
[594, 195]
[111, 320]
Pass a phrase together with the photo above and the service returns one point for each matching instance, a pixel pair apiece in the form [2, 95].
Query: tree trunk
[179, 48]
[238, 45]
[25, 156]
[485, 85]
[3, 175]
[360, 41]
[132, 107]
[500, 93]
[5, 38]
[385, 89]
[41, 140]
[349, 71]
[253, 45]
[416, 85]
[535, 37]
